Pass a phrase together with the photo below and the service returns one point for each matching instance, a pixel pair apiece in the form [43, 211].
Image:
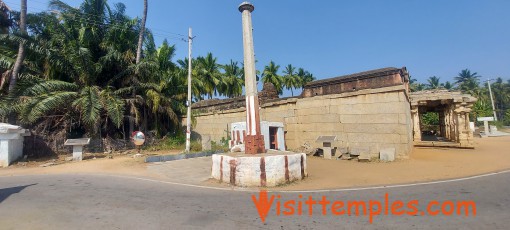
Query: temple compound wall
[368, 109]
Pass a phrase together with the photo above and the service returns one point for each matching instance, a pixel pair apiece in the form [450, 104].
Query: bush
[223, 146]
[170, 142]
[195, 146]
[506, 117]
[430, 118]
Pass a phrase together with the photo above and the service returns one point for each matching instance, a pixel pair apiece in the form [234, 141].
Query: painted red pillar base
[254, 144]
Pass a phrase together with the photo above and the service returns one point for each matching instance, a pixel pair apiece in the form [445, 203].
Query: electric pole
[188, 102]
[492, 100]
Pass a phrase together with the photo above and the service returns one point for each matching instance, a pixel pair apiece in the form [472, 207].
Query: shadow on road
[6, 192]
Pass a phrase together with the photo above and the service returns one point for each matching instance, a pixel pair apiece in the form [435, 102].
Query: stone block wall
[375, 118]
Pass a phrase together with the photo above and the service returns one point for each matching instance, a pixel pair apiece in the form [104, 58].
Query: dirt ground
[425, 164]
[119, 164]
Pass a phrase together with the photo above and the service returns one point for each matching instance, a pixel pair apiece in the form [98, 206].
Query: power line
[109, 22]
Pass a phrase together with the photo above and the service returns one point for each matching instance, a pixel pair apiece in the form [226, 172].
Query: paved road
[190, 171]
[107, 202]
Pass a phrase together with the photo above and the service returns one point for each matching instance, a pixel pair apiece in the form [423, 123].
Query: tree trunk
[21, 55]
[139, 53]
[142, 32]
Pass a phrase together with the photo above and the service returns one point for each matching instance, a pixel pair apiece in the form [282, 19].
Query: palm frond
[42, 105]
[114, 106]
[89, 105]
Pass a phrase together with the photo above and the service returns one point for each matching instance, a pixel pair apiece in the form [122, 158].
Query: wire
[109, 23]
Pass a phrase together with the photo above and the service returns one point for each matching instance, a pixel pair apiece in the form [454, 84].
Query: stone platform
[266, 170]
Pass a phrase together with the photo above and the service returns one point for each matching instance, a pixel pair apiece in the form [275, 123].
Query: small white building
[274, 136]
[11, 143]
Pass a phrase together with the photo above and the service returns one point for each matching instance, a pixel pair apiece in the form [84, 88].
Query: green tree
[447, 85]
[232, 83]
[209, 73]
[197, 85]
[270, 75]
[291, 80]
[21, 54]
[305, 77]
[415, 86]
[501, 95]
[141, 33]
[433, 83]
[468, 82]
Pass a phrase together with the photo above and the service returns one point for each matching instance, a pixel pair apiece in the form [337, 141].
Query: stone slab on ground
[498, 134]
[387, 154]
[47, 164]
[364, 157]
[342, 150]
[357, 151]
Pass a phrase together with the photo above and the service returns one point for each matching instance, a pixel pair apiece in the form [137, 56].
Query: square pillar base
[77, 152]
[254, 144]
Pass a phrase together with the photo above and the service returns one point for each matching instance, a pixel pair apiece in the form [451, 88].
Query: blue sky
[333, 38]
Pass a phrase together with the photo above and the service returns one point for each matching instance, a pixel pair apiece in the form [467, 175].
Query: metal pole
[188, 116]
[492, 100]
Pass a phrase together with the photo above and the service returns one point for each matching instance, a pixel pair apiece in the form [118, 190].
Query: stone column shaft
[416, 123]
[254, 141]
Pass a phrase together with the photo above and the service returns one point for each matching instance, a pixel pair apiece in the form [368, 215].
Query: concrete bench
[77, 147]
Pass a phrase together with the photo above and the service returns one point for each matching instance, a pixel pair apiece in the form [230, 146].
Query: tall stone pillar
[442, 123]
[416, 123]
[465, 134]
[254, 141]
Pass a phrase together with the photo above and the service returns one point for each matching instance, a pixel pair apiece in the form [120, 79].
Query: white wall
[264, 129]
[10, 149]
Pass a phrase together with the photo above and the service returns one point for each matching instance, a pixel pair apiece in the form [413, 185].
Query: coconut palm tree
[36, 98]
[270, 75]
[181, 76]
[433, 83]
[141, 33]
[291, 80]
[232, 83]
[209, 73]
[472, 87]
[467, 81]
[466, 75]
[501, 92]
[415, 86]
[21, 50]
[305, 77]
[447, 85]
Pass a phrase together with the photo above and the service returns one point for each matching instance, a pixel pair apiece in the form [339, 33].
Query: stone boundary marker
[152, 159]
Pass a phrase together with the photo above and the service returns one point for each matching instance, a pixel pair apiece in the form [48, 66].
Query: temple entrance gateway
[441, 118]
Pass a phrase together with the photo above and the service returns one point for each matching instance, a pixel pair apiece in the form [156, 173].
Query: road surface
[114, 202]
